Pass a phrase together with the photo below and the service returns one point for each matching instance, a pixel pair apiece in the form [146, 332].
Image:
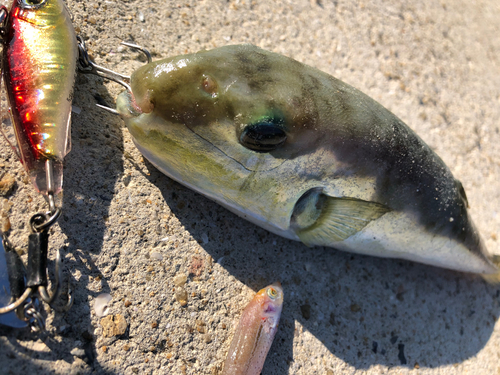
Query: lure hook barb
[139, 48]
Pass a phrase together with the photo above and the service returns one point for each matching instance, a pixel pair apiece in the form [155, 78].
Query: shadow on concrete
[366, 311]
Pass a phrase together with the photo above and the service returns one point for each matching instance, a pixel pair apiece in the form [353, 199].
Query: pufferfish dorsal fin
[319, 219]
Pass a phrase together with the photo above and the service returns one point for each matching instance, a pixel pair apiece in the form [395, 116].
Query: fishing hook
[141, 49]
[87, 66]
[18, 302]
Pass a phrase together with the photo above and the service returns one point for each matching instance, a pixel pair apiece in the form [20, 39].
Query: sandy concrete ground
[435, 64]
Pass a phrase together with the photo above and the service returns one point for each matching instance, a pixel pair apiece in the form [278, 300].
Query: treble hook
[87, 66]
[38, 244]
[36, 270]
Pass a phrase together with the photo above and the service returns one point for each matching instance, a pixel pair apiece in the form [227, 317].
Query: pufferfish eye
[263, 136]
[272, 293]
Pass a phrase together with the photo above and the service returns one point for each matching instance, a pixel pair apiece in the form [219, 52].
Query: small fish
[255, 332]
[301, 154]
[38, 67]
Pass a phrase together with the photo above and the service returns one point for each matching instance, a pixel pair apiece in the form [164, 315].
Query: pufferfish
[301, 154]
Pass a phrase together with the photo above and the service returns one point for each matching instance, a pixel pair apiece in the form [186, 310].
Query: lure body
[301, 154]
[255, 332]
[39, 66]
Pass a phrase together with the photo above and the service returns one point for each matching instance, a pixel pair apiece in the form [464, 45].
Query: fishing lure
[255, 332]
[38, 68]
[301, 154]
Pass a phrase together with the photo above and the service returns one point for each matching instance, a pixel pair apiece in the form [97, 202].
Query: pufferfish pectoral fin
[319, 219]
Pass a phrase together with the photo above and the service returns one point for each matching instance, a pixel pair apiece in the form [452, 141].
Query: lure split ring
[40, 222]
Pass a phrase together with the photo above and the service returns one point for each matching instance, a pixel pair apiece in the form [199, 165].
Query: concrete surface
[435, 64]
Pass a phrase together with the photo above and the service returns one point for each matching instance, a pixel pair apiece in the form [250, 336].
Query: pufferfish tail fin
[319, 219]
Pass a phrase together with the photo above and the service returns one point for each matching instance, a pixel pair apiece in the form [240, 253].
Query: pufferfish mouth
[127, 106]
[218, 135]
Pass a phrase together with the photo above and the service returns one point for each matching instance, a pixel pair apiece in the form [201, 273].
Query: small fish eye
[264, 136]
[209, 85]
[272, 293]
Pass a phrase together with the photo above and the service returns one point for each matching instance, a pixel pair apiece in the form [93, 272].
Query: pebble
[7, 184]
[197, 266]
[156, 255]
[200, 326]
[79, 367]
[5, 224]
[181, 296]
[140, 16]
[78, 352]
[180, 279]
[113, 325]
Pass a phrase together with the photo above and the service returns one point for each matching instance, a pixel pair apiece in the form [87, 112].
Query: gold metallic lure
[39, 66]
[301, 154]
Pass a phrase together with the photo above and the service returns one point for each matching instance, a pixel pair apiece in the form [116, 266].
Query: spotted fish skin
[302, 154]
